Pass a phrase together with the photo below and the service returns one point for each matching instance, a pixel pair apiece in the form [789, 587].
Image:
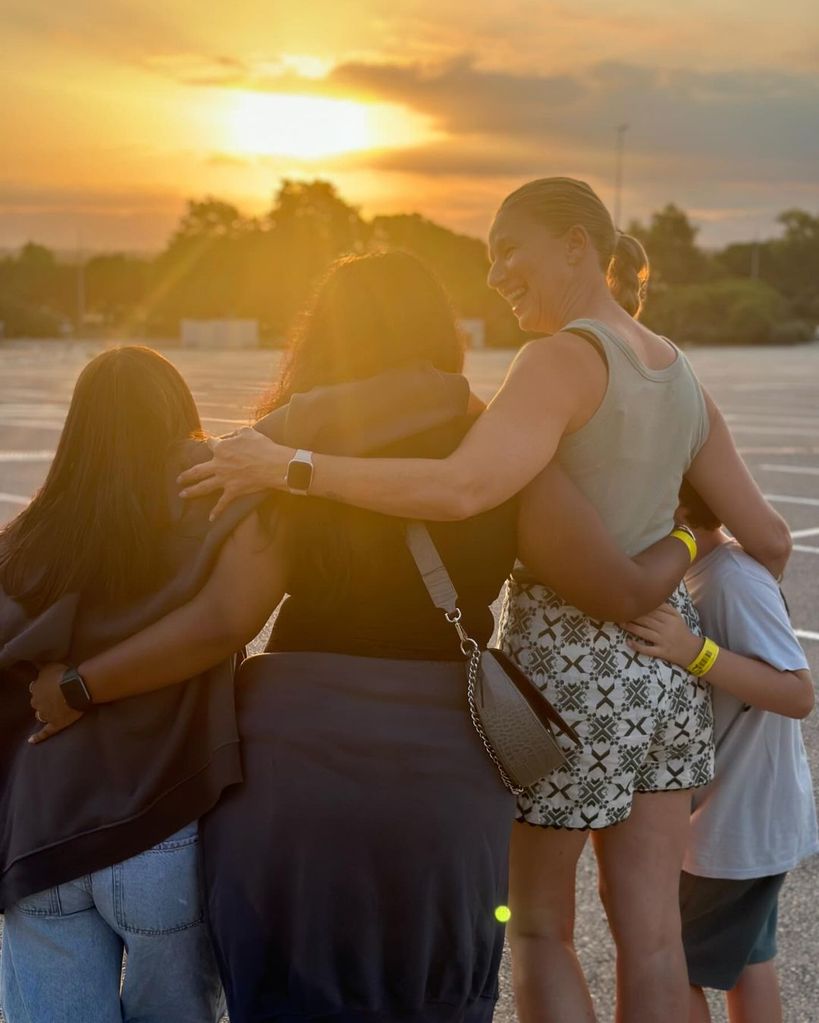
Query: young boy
[757, 819]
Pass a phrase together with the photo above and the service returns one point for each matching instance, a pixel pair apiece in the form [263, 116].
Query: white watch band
[301, 457]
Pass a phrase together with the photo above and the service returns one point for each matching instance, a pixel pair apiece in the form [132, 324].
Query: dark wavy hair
[95, 527]
[368, 314]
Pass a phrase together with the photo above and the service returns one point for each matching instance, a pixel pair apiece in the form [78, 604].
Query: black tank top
[354, 588]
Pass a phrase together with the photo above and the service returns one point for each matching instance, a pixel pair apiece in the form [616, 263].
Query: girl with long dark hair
[98, 839]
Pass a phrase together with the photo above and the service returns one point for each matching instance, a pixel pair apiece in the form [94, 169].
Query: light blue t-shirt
[758, 815]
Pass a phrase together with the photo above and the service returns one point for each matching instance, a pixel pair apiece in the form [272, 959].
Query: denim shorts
[727, 925]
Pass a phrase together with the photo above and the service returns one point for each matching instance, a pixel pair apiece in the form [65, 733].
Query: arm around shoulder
[721, 478]
[565, 545]
[506, 448]
[241, 593]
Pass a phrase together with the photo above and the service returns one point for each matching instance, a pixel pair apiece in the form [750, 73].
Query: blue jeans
[63, 948]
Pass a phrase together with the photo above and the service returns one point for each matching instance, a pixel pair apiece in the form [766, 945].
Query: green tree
[796, 263]
[726, 311]
[313, 210]
[460, 262]
[209, 218]
[116, 286]
[790, 264]
[310, 226]
[670, 241]
[199, 273]
[37, 293]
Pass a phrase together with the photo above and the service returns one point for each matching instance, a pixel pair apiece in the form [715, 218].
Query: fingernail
[31, 740]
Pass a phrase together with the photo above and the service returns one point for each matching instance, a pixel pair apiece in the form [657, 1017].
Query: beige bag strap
[437, 580]
[444, 595]
[433, 571]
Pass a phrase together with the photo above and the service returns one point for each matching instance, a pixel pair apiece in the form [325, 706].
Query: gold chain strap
[471, 650]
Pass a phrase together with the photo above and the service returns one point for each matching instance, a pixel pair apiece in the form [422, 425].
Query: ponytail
[627, 273]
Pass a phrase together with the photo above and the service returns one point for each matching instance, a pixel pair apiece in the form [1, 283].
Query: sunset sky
[116, 111]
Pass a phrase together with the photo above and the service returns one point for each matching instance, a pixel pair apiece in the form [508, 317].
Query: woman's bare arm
[565, 545]
[554, 386]
[243, 590]
[722, 479]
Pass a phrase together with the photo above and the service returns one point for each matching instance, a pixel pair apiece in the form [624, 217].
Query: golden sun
[311, 127]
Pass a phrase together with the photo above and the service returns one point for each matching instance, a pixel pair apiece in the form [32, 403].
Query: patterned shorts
[644, 725]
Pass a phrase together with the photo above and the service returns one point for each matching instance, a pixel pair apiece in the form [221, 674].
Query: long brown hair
[369, 314]
[95, 526]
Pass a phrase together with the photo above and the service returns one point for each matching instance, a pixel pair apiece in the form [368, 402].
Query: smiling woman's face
[530, 269]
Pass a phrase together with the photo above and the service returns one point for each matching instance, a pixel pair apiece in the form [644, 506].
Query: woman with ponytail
[622, 411]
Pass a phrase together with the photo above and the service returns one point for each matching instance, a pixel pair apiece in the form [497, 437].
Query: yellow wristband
[705, 659]
[688, 539]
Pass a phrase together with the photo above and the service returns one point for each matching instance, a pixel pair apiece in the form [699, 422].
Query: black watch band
[75, 691]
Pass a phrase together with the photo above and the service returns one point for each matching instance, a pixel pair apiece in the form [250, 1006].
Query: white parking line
[806, 634]
[26, 456]
[767, 387]
[215, 404]
[805, 549]
[798, 534]
[805, 449]
[787, 499]
[769, 419]
[774, 431]
[33, 409]
[13, 499]
[33, 424]
[799, 470]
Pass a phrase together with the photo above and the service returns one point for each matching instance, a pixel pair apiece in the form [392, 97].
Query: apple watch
[75, 691]
[299, 473]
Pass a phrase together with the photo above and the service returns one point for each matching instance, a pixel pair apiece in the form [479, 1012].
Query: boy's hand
[663, 633]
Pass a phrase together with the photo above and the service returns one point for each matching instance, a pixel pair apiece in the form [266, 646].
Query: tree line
[219, 263]
[758, 292]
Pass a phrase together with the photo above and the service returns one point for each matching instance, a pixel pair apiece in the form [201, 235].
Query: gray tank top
[630, 457]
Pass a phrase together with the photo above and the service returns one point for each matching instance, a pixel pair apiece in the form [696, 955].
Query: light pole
[80, 289]
[621, 130]
[755, 258]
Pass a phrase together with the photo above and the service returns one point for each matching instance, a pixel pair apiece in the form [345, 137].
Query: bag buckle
[468, 645]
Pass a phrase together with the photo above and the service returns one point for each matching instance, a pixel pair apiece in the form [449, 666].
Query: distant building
[473, 331]
[219, 333]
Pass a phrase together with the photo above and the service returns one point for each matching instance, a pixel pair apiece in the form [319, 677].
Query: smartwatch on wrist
[75, 691]
[299, 473]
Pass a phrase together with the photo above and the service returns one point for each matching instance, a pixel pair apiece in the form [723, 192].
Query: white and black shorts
[644, 725]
